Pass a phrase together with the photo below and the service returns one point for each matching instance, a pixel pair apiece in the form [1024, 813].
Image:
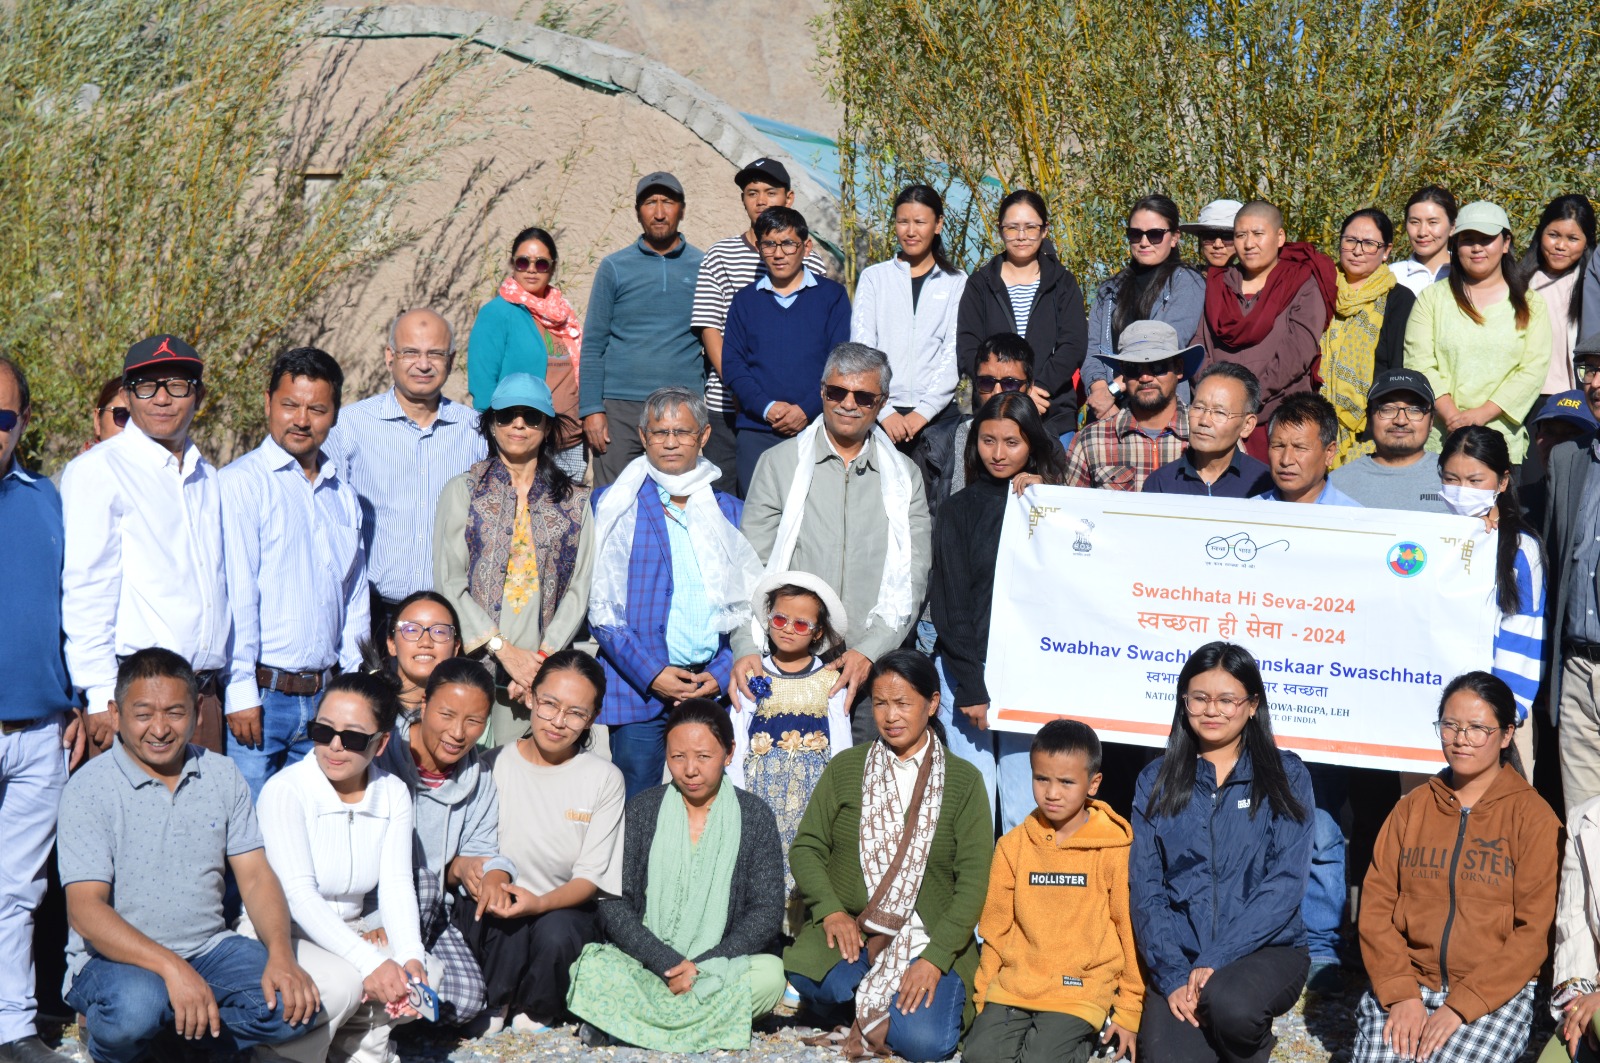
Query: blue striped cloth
[1519, 638]
[398, 470]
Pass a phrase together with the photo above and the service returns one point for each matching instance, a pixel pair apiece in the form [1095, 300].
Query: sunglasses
[530, 416]
[793, 623]
[835, 393]
[9, 419]
[524, 264]
[119, 415]
[1155, 236]
[323, 734]
[999, 383]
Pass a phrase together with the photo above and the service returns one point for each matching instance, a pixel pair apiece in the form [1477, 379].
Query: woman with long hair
[1008, 448]
[1430, 217]
[1367, 333]
[1025, 289]
[1483, 339]
[529, 327]
[1154, 285]
[1457, 905]
[424, 632]
[1222, 834]
[906, 307]
[1556, 260]
[506, 547]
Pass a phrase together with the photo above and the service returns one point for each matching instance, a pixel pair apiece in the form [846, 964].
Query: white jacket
[1578, 907]
[921, 345]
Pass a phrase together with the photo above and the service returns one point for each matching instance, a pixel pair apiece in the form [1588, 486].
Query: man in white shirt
[297, 572]
[143, 554]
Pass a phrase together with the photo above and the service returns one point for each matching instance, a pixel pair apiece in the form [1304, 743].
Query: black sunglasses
[9, 419]
[353, 741]
[524, 264]
[119, 415]
[1155, 236]
[984, 382]
[531, 417]
[835, 393]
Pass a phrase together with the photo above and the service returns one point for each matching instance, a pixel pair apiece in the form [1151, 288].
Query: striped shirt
[1022, 296]
[398, 469]
[729, 265]
[691, 638]
[297, 574]
[1519, 638]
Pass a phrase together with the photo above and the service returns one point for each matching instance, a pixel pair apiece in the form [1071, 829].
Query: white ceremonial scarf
[894, 605]
[729, 567]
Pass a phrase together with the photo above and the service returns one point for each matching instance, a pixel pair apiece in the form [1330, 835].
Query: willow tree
[1321, 106]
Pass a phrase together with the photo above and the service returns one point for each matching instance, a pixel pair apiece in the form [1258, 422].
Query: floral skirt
[784, 779]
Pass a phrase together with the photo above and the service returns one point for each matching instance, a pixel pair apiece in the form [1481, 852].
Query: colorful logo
[1407, 559]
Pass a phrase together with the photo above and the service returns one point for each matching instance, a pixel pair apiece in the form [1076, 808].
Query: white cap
[837, 619]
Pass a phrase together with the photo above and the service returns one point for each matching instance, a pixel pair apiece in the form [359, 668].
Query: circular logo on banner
[1407, 559]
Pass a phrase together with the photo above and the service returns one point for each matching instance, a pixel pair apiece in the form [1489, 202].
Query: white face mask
[1468, 501]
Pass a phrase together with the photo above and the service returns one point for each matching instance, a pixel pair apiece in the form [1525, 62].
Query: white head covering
[837, 620]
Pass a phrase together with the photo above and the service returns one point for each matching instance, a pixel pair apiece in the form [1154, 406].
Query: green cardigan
[505, 339]
[826, 861]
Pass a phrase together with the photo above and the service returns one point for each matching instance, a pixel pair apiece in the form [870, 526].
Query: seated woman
[561, 824]
[1457, 905]
[1221, 852]
[893, 937]
[425, 631]
[456, 853]
[687, 964]
[336, 827]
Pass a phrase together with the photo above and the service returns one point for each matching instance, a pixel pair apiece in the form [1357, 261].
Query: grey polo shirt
[163, 852]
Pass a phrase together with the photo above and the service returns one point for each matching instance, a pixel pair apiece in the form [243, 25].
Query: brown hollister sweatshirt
[1471, 893]
[1056, 931]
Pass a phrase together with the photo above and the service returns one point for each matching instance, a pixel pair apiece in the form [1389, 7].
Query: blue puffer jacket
[1214, 884]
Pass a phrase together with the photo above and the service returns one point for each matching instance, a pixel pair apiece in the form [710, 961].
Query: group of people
[335, 765]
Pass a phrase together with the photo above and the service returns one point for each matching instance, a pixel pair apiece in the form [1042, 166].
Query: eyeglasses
[1017, 230]
[999, 383]
[1206, 413]
[772, 247]
[524, 264]
[677, 435]
[9, 419]
[119, 414]
[1473, 734]
[550, 710]
[412, 632]
[1155, 236]
[1585, 372]
[835, 393]
[531, 417]
[323, 734]
[1225, 705]
[793, 623]
[411, 354]
[1366, 247]
[1395, 411]
[179, 387]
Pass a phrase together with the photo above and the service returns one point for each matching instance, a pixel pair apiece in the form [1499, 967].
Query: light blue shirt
[398, 469]
[296, 568]
[1331, 496]
[691, 639]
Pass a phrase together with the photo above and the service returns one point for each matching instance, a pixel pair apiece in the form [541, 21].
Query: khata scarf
[1236, 328]
[1349, 348]
[729, 567]
[552, 311]
[894, 605]
[491, 514]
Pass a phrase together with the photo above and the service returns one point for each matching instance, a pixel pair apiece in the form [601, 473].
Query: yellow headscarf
[1349, 349]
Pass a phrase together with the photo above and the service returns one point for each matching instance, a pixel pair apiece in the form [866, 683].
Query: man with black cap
[730, 265]
[143, 553]
[636, 333]
[1119, 452]
[1398, 474]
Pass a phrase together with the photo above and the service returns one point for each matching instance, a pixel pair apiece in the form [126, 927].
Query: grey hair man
[858, 519]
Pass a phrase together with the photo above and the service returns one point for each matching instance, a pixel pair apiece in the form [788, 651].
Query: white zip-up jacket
[921, 344]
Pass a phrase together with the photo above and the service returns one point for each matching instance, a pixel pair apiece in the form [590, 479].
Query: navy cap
[163, 350]
[1567, 406]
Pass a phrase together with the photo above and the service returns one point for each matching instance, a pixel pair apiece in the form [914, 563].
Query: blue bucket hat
[523, 389]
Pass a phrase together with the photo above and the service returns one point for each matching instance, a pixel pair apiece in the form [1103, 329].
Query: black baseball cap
[164, 351]
[1391, 381]
[771, 171]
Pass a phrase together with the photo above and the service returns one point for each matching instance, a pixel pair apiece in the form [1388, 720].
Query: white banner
[1358, 617]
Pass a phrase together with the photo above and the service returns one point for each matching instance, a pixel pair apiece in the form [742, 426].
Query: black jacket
[966, 547]
[755, 903]
[1058, 329]
[1391, 352]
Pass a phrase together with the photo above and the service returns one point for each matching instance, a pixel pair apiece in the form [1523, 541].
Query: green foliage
[1318, 105]
[153, 161]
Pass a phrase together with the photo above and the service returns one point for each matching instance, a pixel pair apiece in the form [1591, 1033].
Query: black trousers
[526, 961]
[1236, 1010]
[722, 450]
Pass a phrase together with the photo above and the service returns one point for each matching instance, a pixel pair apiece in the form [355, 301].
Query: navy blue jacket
[1214, 884]
[772, 353]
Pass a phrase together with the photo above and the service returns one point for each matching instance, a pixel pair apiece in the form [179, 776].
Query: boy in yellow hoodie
[1058, 957]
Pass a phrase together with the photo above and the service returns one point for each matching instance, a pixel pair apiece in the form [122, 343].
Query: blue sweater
[772, 353]
[636, 335]
[33, 672]
[505, 339]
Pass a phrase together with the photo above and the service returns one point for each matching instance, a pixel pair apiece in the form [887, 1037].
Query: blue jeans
[33, 771]
[1001, 757]
[639, 750]
[127, 1006]
[929, 1033]
[283, 738]
[1322, 908]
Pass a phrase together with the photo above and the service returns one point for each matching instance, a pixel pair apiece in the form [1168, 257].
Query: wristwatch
[495, 644]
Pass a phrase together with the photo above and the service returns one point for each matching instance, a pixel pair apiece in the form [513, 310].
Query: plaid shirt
[1114, 453]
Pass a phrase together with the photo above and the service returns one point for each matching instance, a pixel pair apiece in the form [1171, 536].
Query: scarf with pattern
[553, 312]
[1349, 350]
[491, 514]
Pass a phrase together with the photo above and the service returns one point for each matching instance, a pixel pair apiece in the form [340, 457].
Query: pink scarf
[552, 311]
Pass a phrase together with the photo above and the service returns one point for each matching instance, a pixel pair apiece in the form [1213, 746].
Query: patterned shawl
[554, 313]
[491, 513]
[1349, 349]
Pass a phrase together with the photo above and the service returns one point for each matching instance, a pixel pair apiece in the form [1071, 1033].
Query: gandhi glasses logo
[1407, 559]
[1240, 545]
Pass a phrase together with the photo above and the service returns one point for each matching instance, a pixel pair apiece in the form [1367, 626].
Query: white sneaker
[791, 996]
[497, 1023]
[520, 1023]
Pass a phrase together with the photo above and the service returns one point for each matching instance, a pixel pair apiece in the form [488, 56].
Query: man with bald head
[1268, 311]
[397, 449]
